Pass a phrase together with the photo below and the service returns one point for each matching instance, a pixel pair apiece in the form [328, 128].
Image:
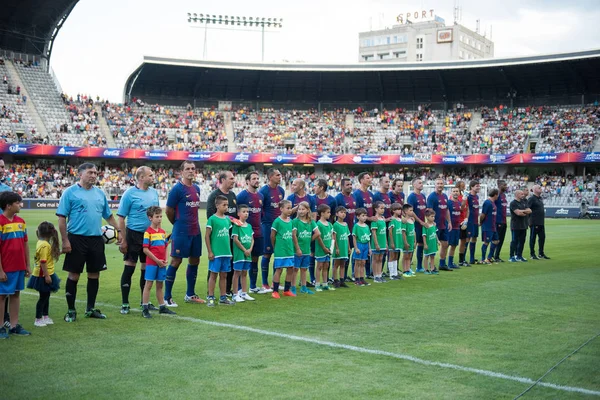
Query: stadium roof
[551, 79]
[30, 26]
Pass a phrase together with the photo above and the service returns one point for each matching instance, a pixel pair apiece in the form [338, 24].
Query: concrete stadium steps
[31, 109]
[104, 129]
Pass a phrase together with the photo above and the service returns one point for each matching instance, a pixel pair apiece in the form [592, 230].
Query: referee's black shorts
[135, 246]
[85, 250]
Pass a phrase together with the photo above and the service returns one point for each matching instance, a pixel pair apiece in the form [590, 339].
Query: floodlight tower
[232, 22]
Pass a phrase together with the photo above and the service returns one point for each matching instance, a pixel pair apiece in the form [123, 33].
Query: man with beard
[438, 202]
[519, 213]
[396, 194]
[536, 224]
[364, 199]
[226, 181]
[419, 203]
[346, 199]
[501, 205]
[254, 201]
[272, 194]
[472, 201]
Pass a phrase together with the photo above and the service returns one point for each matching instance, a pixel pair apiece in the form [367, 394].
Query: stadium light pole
[231, 22]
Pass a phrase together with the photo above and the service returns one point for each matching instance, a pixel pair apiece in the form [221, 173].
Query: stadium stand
[14, 116]
[401, 131]
[290, 131]
[165, 127]
[558, 129]
[49, 104]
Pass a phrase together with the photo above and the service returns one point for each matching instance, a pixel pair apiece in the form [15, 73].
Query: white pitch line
[365, 350]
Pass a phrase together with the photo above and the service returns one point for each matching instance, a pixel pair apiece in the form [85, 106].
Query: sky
[103, 42]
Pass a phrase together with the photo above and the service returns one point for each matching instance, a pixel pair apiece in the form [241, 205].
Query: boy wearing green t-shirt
[431, 243]
[408, 239]
[304, 231]
[361, 235]
[283, 246]
[219, 251]
[395, 240]
[341, 248]
[243, 242]
[378, 241]
[323, 247]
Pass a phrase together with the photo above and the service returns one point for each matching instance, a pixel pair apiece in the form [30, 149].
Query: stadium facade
[422, 42]
[569, 78]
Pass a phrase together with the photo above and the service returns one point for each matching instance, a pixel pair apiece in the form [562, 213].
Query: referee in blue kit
[80, 212]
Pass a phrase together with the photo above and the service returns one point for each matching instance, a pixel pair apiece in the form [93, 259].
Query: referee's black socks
[92, 292]
[71, 293]
[128, 271]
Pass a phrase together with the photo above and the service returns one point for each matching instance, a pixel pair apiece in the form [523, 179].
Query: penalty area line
[364, 350]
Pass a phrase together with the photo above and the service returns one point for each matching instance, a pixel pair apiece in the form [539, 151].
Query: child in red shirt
[14, 261]
[155, 249]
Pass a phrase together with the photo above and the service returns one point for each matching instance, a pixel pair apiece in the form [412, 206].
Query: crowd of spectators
[289, 131]
[558, 129]
[12, 109]
[402, 131]
[48, 179]
[139, 125]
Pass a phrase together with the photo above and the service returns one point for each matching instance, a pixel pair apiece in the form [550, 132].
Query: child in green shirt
[323, 247]
[219, 251]
[378, 241]
[408, 239]
[430, 243]
[361, 235]
[283, 249]
[303, 233]
[395, 240]
[243, 242]
[342, 248]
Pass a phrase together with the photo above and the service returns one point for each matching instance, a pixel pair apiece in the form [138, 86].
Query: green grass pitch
[512, 319]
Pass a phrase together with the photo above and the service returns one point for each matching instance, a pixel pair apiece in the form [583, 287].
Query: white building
[423, 41]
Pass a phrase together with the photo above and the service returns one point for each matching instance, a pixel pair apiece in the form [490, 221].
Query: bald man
[133, 221]
[299, 195]
[536, 224]
[518, 226]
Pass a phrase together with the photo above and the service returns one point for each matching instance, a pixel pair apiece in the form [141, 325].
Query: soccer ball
[109, 234]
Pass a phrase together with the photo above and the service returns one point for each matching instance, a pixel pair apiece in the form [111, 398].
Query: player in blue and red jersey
[487, 221]
[383, 196]
[364, 199]
[254, 201]
[299, 195]
[438, 202]
[321, 197]
[272, 194]
[464, 216]
[501, 206]
[396, 194]
[419, 203]
[472, 201]
[456, 218]
[183, 204]
[346, 199]
[362, 196]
